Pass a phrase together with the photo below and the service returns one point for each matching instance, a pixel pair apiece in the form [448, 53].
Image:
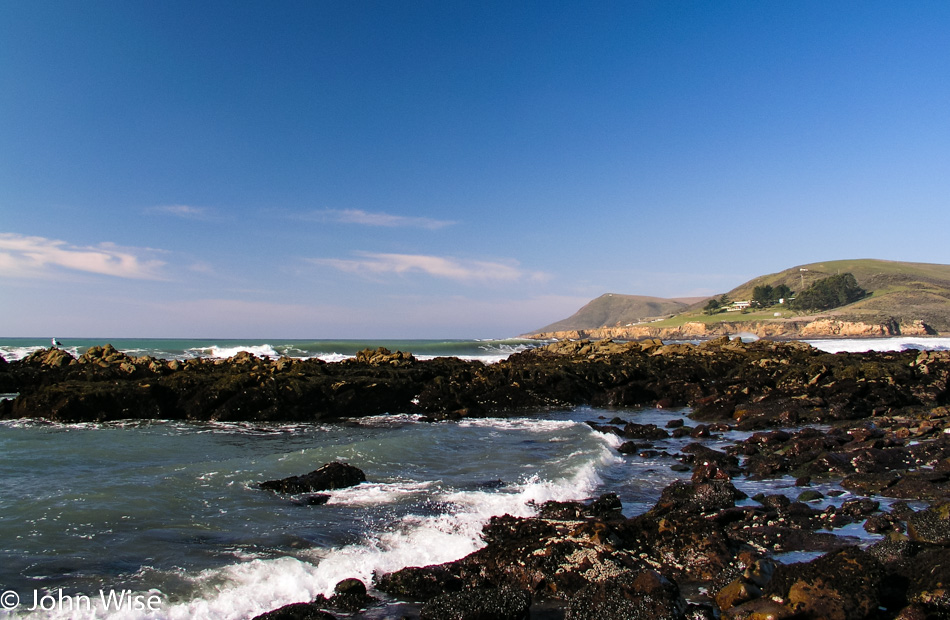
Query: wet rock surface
[330, 476]
[697, 537]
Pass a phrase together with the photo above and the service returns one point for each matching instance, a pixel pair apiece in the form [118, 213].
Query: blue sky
[442, 169]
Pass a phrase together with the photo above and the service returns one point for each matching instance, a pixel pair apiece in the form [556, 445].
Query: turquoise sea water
[328, 350]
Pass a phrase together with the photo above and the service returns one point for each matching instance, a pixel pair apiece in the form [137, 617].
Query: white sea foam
[334, 357]
[251, 587]
[17, 353]
[528, 424]
[221, 352]
[377, 493]
[857, 345]
[13, 353]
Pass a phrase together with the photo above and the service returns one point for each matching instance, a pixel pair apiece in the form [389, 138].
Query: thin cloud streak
[436, 266]
[367, 218]
[23, 256]
[183, 211]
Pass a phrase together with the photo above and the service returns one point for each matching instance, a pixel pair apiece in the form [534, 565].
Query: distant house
[739, 305]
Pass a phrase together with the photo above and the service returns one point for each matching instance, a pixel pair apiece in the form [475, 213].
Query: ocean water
[173, 511]
[327, 350]
[488, 350]
[160, 519]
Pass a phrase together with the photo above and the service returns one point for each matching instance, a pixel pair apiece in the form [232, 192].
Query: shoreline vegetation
[878, 422]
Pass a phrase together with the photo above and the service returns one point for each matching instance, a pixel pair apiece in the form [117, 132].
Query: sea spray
[258, 585]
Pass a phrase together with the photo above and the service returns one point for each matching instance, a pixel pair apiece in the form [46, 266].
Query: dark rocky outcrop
[330, 476]
[843, 585]
[297, 611]
[621, 567]
[482, 604]
[348, 596]
[750, 385]
[632, 594]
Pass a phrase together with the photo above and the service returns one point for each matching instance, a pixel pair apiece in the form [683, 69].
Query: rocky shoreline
[780, 329]
[753, 385]
[875, 423]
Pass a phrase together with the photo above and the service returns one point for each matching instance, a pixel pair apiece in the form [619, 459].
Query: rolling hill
[903, 298]
[615, 310]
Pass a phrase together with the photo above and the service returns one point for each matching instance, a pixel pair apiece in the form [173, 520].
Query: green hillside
[897, 290]
[612, 310]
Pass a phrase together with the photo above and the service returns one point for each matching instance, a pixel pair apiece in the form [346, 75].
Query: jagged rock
[842, 585]
[419, 583]
[705, 496]
[382, 355]
[699, 454]
[330, 476]
[607, 506]
[104, 356]
[644, 431]
[630, 447]
[860, 507]
[349, 595]
[52, 357]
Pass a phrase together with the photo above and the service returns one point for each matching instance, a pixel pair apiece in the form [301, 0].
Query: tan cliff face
[817, 328]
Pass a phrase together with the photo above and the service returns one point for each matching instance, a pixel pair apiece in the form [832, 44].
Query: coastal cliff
[787, 329]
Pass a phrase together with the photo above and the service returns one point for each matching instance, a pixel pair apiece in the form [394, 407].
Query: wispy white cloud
[437, 266]
[23, 256]
[367, 218]
[183, 211]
